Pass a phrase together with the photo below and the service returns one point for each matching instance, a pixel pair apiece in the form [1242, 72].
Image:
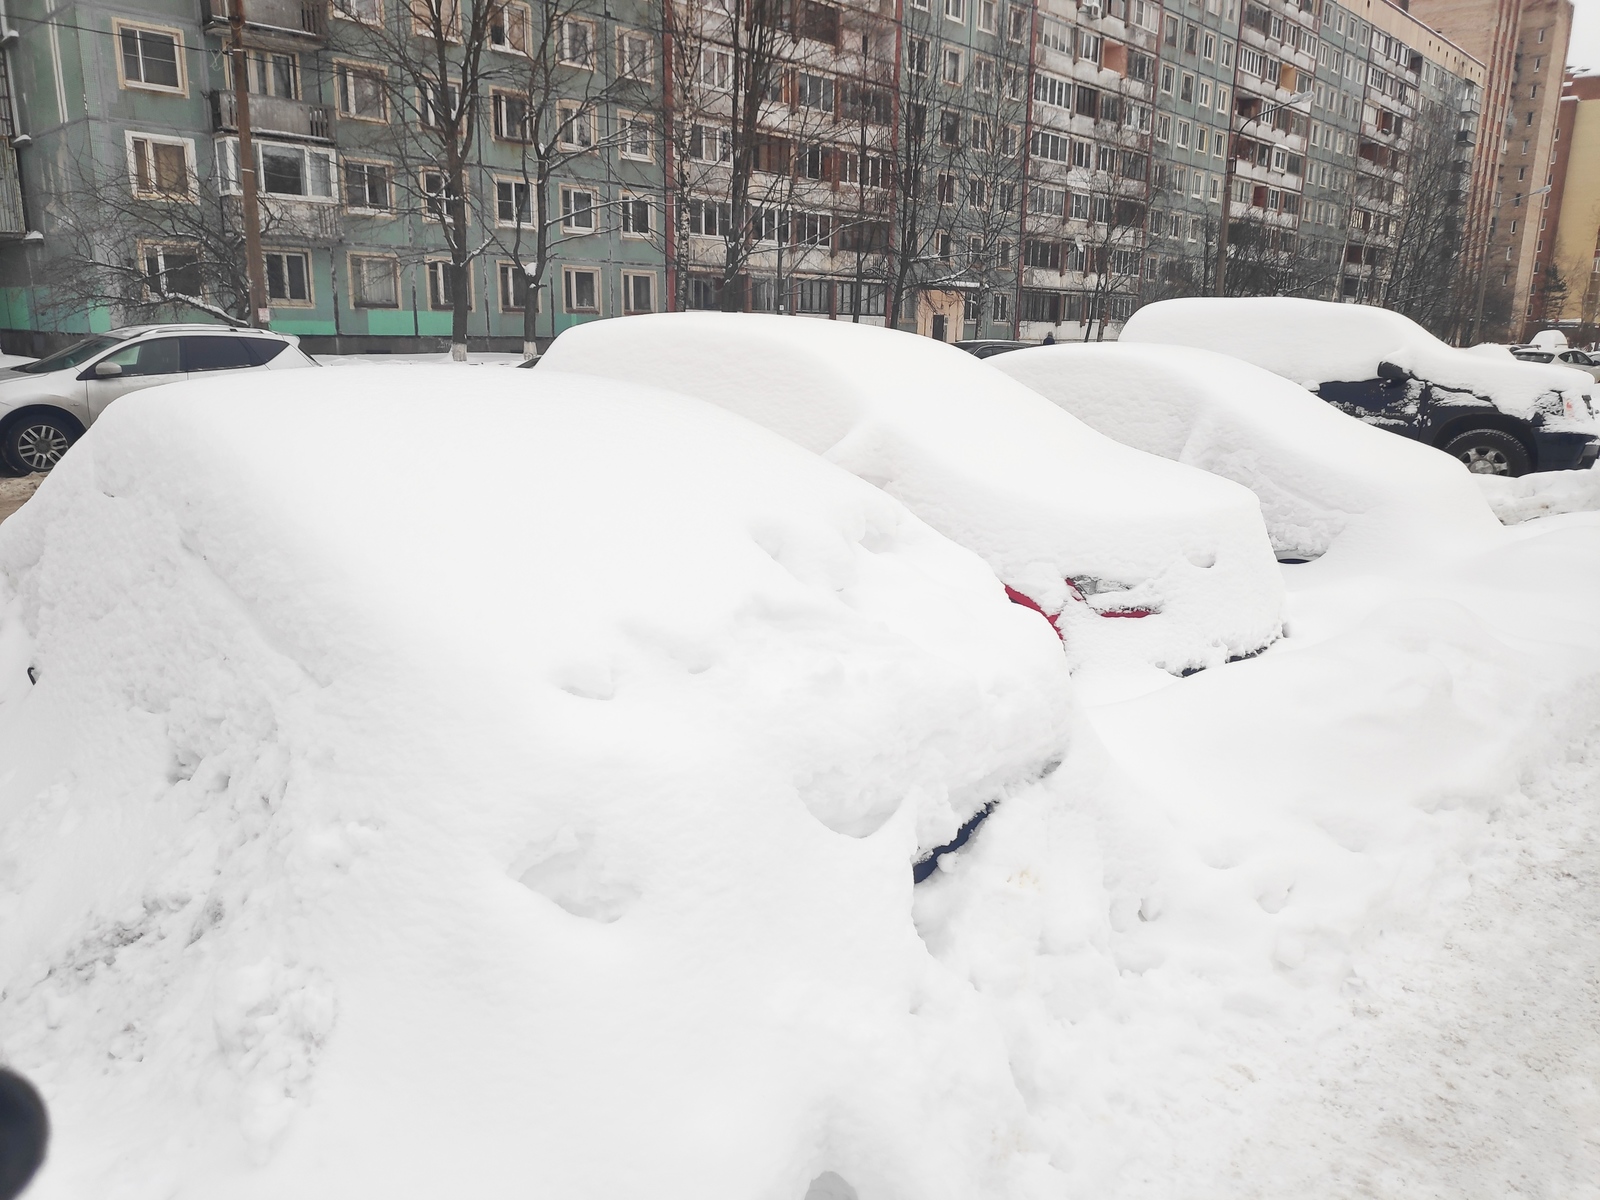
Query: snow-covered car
[1133, 559]
[989, 347]
[1320, 475]
[46, 405]
[1497, 416]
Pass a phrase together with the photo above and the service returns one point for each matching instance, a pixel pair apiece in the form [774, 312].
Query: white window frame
[568, 225]
[117, 27]
[628, 308]
[344, 196]
[353, 274]
[311, 288]
[628, 123]
[625, 216]
[515, 183]
[436, 271]
[564, 44]
[567, 275]
[342, 69]
[565, 125]
[509, 46]
[624, 71]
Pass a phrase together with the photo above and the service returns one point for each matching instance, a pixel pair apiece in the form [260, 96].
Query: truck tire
[1490, 452]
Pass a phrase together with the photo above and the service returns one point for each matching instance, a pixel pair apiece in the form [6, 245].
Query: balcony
[304, 18]
[273, 116]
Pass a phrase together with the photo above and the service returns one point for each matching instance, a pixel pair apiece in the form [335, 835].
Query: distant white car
[1580, 359]
[46, 405]
[1132, 559]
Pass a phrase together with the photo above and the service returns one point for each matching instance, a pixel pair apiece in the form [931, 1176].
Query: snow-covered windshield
[74, 355]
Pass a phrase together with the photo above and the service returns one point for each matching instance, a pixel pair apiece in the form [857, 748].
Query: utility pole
[247, 168]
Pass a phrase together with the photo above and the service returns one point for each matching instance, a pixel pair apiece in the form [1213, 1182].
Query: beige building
[1574, 232]
[1524, 45]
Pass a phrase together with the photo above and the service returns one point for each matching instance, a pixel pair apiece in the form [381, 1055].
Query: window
[508, 27]
[917, 56]
[441, 286]
[716, 69]
[512, 202]
[436, 195]
[951, 72]
[710, 218]
[172, 270]
[1017, 23]
[160, 168]
[282, 169]
[363, 92]
[815, 91]
[950, 127]
[1191, 39]
[1041, 254]
[634, 58]
[986, 14]
[366, 186]
[154, 356]
[577, 209]
[513, 288]
[636, 137]
[581, 288]
[368, 12]
[1208, 48]
[708, 143]
[813, 296]
[374, 282]
[576, 126]
[1002, 307]
[638, 293]
[1053, 146]
[216, 353]
[510, 116]
[288, 277]
[577, 42]
[438, 104]
[1169, 77]
[1186, 89]
[947, 189]
[151, 58]
[1049, 202]
[983, 74]
[1183, 134]
[1083, 155]
[956, 10]
[636, 220]
[446, 14]
[270, 74]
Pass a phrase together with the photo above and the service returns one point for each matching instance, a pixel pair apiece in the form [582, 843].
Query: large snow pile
[1313, 342]
[1065, 516]
[1317, 472]
[1546, 494]
[551, 831]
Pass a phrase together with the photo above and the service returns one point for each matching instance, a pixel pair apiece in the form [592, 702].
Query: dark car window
[216, 354]
[158, 356]
[1579, 357]
[263, 350]
[74, 354]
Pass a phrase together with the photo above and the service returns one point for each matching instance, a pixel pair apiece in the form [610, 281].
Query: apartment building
[1574, 233]
[966, 168]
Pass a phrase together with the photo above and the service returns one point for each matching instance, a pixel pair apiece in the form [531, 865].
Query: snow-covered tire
[37, 442]
[1490, 452]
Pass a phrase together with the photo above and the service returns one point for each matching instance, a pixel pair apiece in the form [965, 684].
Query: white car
[46, 405]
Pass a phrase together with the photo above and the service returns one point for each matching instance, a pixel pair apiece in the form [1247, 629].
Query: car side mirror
[107, 370]
[1393, 373]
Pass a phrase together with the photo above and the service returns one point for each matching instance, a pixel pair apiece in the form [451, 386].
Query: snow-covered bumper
[1564, 449]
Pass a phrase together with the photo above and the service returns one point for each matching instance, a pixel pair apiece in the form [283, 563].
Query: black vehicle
[988, 347]
[1462, 423]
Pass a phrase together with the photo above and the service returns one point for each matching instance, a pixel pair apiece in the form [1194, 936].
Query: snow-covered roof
[1313, 342]
[1042, 498]
[1320, 475]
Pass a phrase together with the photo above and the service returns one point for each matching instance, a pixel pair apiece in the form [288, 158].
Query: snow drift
[1066, 517]
[361, 837]
[1312, 342]
[1317, 472]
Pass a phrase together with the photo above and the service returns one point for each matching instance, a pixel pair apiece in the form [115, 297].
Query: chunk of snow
[1045, 500]
[1312, 342]
[1545, 494]
[367, 833]
[1320, 475]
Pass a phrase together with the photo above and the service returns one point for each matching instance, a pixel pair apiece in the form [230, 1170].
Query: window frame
[568, 227]
[431, 269]
[118, 25]
[628, 308]
[515, 182]
[352, 273]
[160, 246]
[311, 288]
[364, 164]
[191, 172]
[342, 69]
[568, 273]
[562, 56]
[626, 199]
[623, 71]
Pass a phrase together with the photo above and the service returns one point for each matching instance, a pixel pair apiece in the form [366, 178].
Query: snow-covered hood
[1070, 519]
[1313, 342]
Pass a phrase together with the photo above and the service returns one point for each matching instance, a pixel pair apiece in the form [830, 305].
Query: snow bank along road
[552, 837]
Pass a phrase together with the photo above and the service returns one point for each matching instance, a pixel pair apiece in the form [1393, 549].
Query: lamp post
[1227, 185]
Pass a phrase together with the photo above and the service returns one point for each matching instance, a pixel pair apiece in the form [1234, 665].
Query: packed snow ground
[553, 835]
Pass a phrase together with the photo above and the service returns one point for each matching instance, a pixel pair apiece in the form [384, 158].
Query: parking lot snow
[554, 833]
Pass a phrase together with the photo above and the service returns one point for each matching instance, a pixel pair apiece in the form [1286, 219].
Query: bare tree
[1115, 190]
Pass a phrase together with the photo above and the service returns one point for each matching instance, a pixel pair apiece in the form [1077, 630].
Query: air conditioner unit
[1089, 12]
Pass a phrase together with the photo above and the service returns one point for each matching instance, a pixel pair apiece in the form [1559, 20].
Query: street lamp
[1227, 184]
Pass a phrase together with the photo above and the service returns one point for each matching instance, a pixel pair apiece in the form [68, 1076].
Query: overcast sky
[1585, 51]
